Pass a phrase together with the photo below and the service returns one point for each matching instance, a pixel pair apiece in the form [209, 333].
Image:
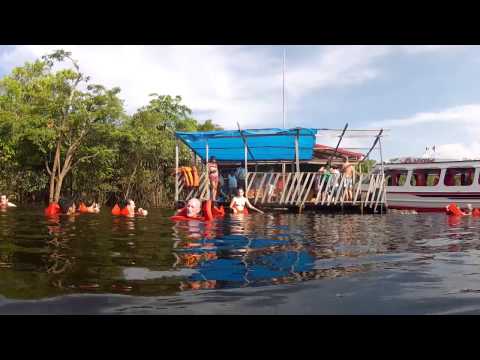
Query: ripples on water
[100, 254]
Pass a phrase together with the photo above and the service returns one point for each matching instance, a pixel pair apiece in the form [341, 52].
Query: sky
[423, 95]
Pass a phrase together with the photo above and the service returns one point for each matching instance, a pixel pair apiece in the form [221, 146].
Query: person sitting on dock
[348, 173]
[240, 203]
[4, 203]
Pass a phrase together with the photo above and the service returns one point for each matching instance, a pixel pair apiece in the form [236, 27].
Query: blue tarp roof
[263, 144]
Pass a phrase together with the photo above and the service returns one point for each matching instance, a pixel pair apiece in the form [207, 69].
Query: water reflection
[97, 253]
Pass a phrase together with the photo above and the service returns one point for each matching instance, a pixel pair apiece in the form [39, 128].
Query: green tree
[57, 111]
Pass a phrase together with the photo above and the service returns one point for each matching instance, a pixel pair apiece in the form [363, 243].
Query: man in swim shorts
[348, 172]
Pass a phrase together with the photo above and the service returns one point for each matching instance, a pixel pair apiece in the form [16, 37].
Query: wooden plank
[365, 202]
[274, 186]
[319, 193]
[292, 187]
[267, 187]
[296, 188]
[305, 183]
[334, 190]
[285, 188]
[312, 181]
[340, 189]
[249, 184]
[257, 192]
[375, 186]
[380, 191]
[329, 184]
[359, 187]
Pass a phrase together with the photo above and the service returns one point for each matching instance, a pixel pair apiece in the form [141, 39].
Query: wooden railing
[301, 188]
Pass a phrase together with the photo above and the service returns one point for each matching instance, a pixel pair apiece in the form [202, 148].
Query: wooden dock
[300, 191]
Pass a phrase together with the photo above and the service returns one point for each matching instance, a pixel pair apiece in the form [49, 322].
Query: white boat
[430, 185]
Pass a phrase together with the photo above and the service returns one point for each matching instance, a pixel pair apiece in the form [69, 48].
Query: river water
[258, 264]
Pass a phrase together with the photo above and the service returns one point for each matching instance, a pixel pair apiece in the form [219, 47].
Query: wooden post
[206, 171]
[297, 161]
[383, 172]
[246, 168]
[176, 173]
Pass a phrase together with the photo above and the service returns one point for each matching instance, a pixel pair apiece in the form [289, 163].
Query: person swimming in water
[194, 208]
[88, 206]
[4, 203]
[240, 203]
[127, 208]
[67, 206]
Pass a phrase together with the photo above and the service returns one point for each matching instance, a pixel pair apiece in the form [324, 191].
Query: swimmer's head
[240, 192]
[469, 207]
[193, 207]
[3, 200]
[122, 203]
[67, 206]
[131, 204]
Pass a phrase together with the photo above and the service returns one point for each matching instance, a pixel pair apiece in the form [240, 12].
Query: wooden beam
[338, 144]
[177, 192]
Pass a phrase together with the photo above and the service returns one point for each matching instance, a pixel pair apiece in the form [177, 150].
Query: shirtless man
[131, 209]
[348, 173]
[4, 203]
[194, 207]
[240, 203]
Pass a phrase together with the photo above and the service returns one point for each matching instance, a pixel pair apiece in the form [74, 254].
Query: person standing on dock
[240, 175]
[232, 184]
[348, 173]
[213, 174]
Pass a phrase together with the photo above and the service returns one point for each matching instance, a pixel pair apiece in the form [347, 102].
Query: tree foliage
[59, 133]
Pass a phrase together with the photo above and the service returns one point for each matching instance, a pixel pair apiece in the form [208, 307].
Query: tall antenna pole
[283, 108]
[283, 87]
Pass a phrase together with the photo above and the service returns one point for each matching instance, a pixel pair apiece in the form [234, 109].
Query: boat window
[396, 177]
[459, 176]
[425, 177]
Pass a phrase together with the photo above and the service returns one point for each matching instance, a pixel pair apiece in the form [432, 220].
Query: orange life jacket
[209, 212]
[116, 210]
[83, 208]
[52, 209]
[453, 209]
[196, 179]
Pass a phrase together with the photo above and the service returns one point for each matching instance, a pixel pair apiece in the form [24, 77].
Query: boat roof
[425, 163]
[263, 144]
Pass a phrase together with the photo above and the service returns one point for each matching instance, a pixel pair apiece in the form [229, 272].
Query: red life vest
[83, 208]
[209, 212]
[453, 209]
[116, 210]
[476, 212]
[52, 210]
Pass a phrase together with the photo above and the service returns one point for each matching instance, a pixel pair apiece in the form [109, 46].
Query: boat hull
[427, 202]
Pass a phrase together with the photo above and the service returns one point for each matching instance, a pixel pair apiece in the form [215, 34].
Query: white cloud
[462, 121]
[458, 151]
[466, 114]
[225, 83]
[417, 49]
